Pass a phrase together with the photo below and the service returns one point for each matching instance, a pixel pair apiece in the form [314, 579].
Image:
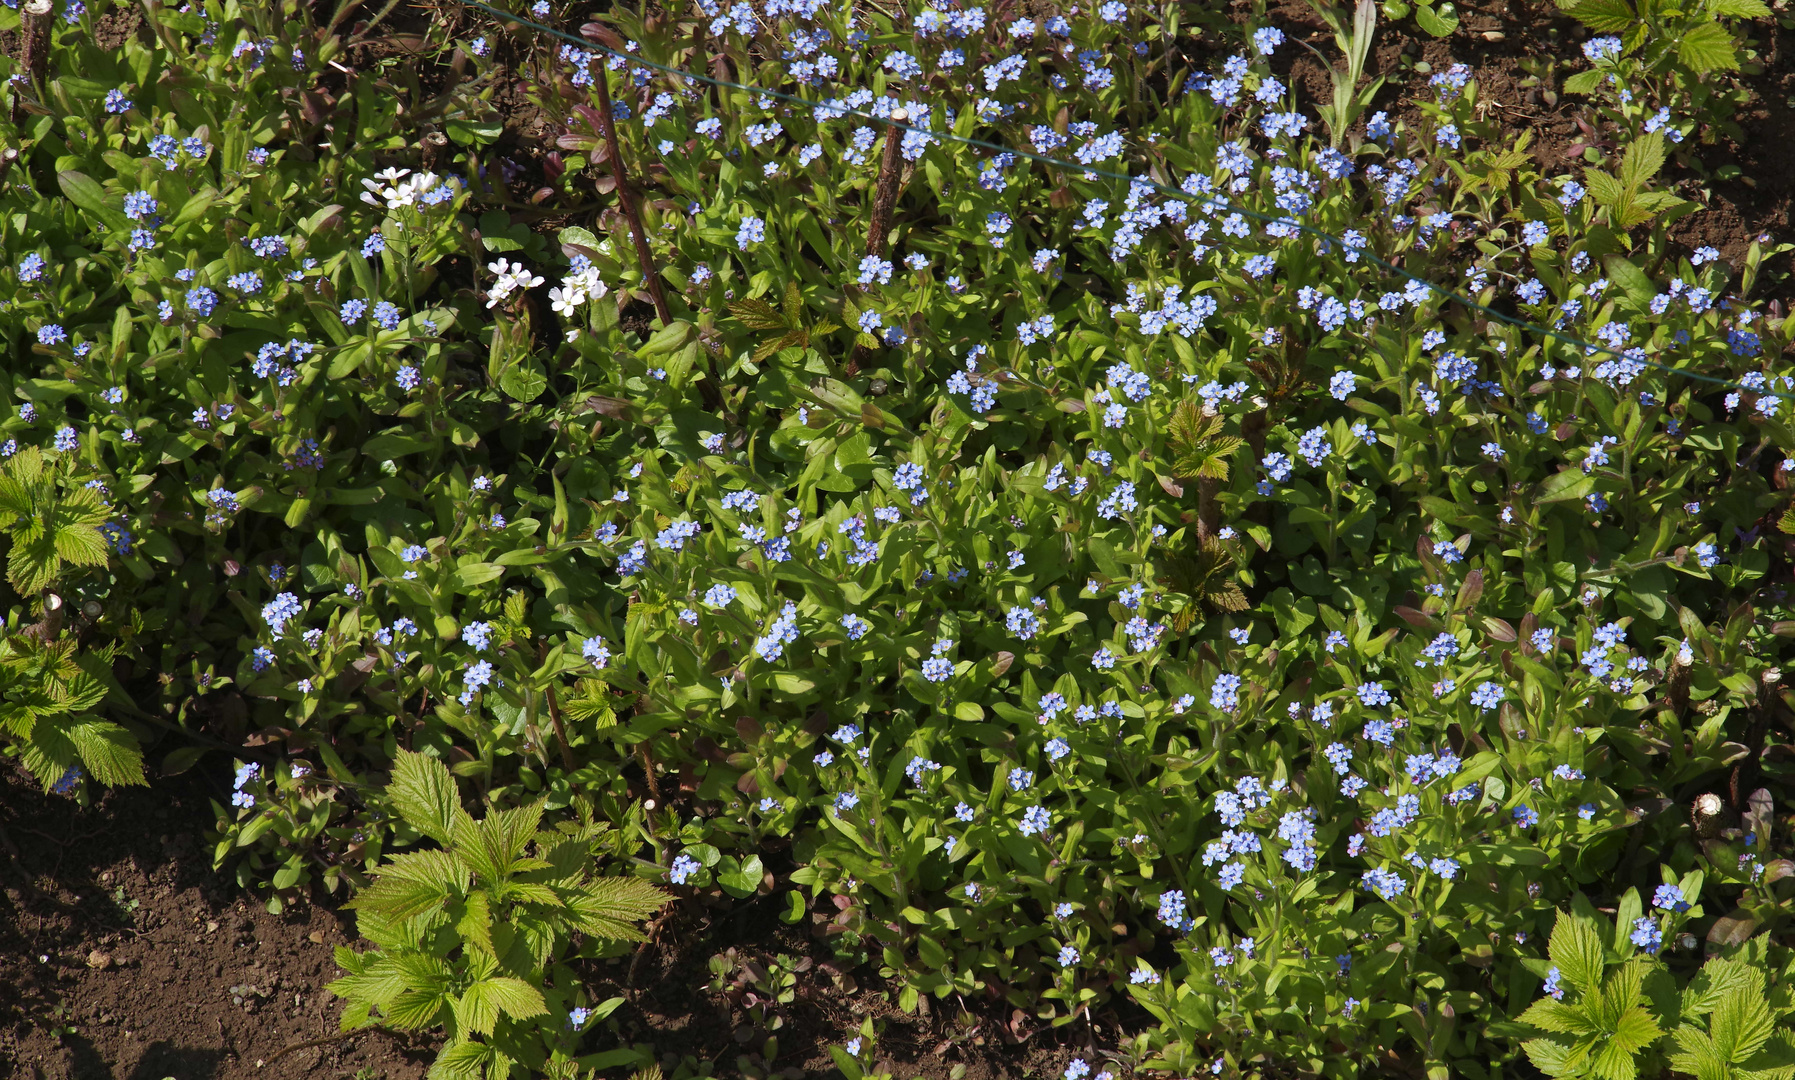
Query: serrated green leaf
[1610, 1062]
[1707, 47]
[1605, 189]
[1697, 1055]
[514, 997]
[1576, 950]
[424, 794]
[412, 883]
[1604, 16]
[108, 752]
[1716, 980]
[413, 1010]
[1643, 159]
[1741, 1023]
[1554, 1058]
[1552, 1015]
[1634, 1031]
[80, 544]
[461, 1061]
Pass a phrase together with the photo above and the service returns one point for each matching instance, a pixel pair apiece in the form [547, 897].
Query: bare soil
[123, 955]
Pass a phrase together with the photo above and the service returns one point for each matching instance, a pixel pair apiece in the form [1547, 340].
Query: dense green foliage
[1172, 583]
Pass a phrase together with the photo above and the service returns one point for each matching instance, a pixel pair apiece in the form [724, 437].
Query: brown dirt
[1738, 211]
[678, 1013]
[123, 955]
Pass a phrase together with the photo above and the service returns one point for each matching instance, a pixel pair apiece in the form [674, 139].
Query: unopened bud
[1705, 815]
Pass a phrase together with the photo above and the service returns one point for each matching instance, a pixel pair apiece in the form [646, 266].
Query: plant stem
[654, 788]
[709, 388]
[885, 193]
[34, 46]
[554, 715]
[626, 200]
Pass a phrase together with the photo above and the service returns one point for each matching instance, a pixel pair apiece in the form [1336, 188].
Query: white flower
[587, 281]
[409, 192]
[398, 194]
[510, 276]
[566, 301]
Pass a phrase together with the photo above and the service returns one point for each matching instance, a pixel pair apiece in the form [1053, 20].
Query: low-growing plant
[473, 937]
[48, 715]
[1654, 63]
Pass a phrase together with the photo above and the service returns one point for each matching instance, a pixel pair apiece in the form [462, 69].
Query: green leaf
[1630, 908]
[475, 1010]
[1576, 950]
[1554, 1058]
[524, 381]
[745, 880]
[85, 192]
[579, 237]
[1634, 1031]
[475, 924]
[424, 794]
[461, 1061]
[1698, 1056]
[1740, 9]
[1550, 1014]
[414, 1010]
[1585, 82]
[412, 883]
[1611, 1062]
[1604, 16]
[514, 997]
[1741, 1023]
[1440, 22]
[757, 314]
[1716, 980]
[1605, 189]
[80, 544]
[1707, 47]
[610, 907]
[1643, 159]
[1632, 280]
[469, 133]
[179, 761]
[394, 444]
[469, 575]
[1567, 485]
[196, 206]
[108, 752]
[1620, 992]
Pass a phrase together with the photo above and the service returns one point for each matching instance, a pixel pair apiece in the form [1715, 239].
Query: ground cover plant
[1024, 490]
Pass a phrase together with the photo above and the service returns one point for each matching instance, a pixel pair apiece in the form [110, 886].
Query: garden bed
[789, 919]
